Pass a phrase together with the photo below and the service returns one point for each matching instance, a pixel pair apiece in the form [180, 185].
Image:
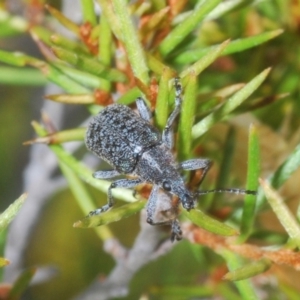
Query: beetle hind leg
[106, 174]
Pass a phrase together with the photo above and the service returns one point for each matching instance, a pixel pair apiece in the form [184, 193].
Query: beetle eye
[166, 186]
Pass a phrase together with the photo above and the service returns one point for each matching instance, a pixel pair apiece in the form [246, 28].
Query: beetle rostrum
[132, 145]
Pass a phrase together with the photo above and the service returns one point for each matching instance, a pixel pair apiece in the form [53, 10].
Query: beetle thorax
[157, 164]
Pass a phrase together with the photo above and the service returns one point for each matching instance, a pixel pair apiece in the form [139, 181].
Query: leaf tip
[226, 276]
[24, 195]
[253, 128]
[267, 71]
[78, 224]
[278, 32]
[262, 182]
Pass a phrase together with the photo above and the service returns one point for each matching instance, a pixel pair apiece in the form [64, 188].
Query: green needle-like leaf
[8, 215]
[60, 137]
[111, 18]
[83, 198]
[204, 221]
[66, 22]
[283, 173]
[21, 284]
[282, 212]
[245, 286]
[67, 44]
[25, 76]
[130, 96]
[72, 99]
[89, 65]
[162, 105]
[156, 66]
[225, 168]
[16, 58]
[11, 25]
[179, 33]
[87, 79]
[63, 80]
[88, 11]
[249, 270]
[181, 291]
[234, 47]
[232, 103]
[205, 61]
[113, 215]
[187, 117]
[130, 39]
[105, 42]
[50, 72]
[252, 184]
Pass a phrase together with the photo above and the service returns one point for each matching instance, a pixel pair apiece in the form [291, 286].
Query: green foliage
[112, 54]
[5, 218]
[21, 284]
[8, 215]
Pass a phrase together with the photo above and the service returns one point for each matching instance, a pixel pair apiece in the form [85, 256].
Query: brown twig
[281, 256]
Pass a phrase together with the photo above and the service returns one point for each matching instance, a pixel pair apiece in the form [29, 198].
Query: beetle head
[177, 187]
[187, 200]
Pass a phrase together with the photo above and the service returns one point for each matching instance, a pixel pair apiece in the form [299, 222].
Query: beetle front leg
[197, 164]
[126, 183]
[167, 135]
[143, 109]
[151, 204]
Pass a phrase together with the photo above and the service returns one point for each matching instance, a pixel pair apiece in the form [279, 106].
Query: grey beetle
[131, 145]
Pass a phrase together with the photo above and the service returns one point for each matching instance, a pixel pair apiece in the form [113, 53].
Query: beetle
[133, 146]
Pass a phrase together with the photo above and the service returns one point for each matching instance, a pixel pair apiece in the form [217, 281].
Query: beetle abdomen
[120, 136]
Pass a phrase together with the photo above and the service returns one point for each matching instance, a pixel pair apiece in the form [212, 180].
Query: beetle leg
[197, 164]
[167, 135]
[106, 174]
[126, 183]
[143, 109]
[151, 204]
[151, 210]
[176, 233]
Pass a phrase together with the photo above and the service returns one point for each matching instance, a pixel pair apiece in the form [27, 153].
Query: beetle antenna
[234, 191]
